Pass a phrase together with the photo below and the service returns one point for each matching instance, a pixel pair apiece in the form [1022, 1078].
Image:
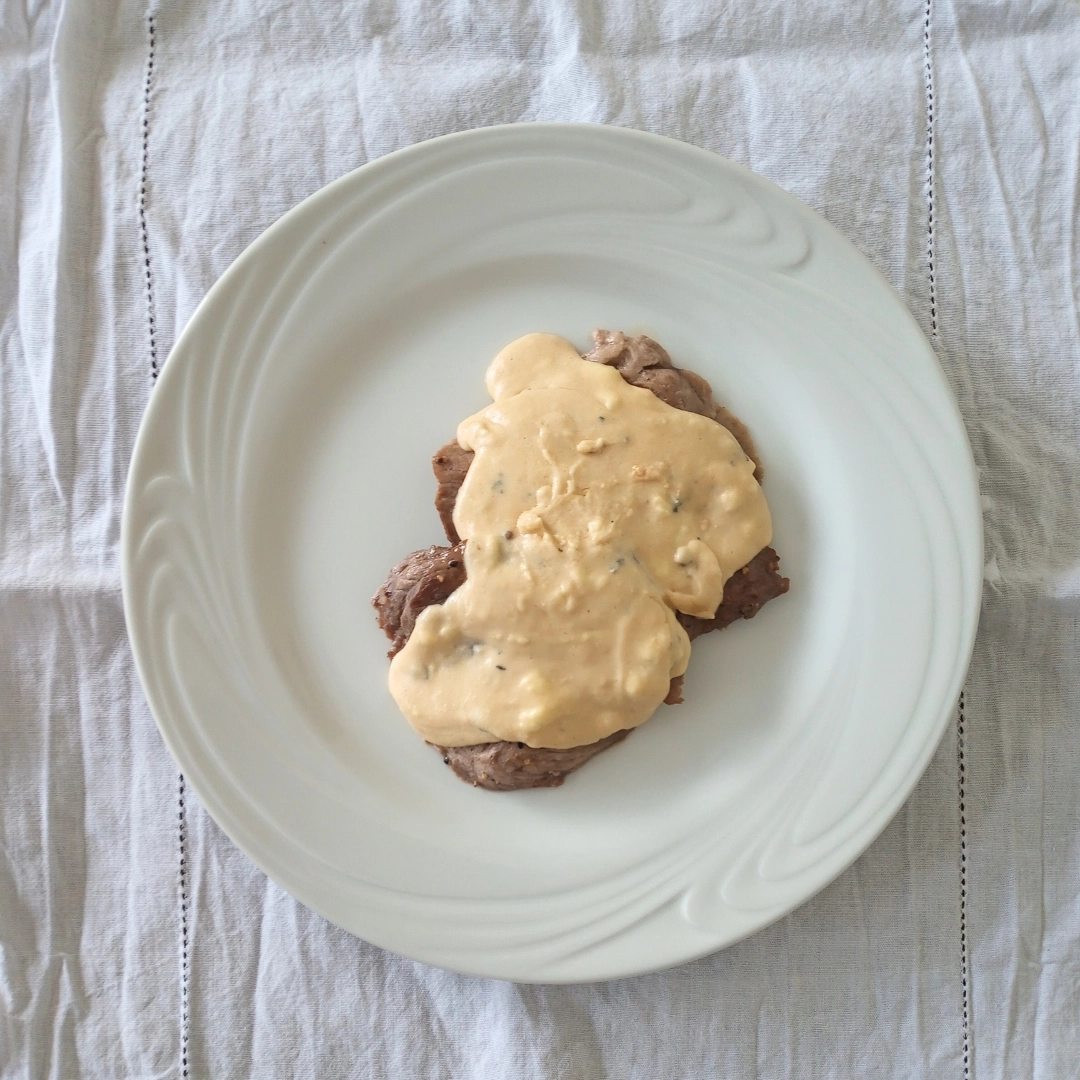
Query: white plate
[283, 466]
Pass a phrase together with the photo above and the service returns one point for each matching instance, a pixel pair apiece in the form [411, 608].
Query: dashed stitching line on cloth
[147, 86]
[184, 938]
[961, 769]
[961, 764]
[929, 76]
[185, 1026]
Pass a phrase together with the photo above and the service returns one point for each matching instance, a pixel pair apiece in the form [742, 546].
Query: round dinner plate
[283, 466]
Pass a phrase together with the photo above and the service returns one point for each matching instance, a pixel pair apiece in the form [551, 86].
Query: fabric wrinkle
[252, 108]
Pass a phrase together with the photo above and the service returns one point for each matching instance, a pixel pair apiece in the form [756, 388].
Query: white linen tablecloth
[142, 150]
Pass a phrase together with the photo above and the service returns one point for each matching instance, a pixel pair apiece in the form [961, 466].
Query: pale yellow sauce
[593, 512]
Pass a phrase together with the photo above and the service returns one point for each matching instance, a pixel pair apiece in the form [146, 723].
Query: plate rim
[253, 252]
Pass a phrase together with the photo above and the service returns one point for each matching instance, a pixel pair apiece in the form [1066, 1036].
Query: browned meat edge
[450, 464]
[509, 766]
[645, 363]
[421, 579]
[429, 576]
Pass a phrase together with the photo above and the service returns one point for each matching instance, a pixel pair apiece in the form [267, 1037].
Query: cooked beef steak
[641, 362]
[745, 593]
[510, 766]
[421, 579]
[429, 576]
[450, 464]
[645, 363]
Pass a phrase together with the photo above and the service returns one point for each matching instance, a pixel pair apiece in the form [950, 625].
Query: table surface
[143, 150]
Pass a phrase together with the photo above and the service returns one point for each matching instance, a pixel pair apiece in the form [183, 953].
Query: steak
[646, 363]
[429, 576]
[746, 592]
[511, 766]
[450, 465]
[641, 362]
[421, 579]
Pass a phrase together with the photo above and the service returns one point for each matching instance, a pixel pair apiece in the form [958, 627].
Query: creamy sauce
[593, 512]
